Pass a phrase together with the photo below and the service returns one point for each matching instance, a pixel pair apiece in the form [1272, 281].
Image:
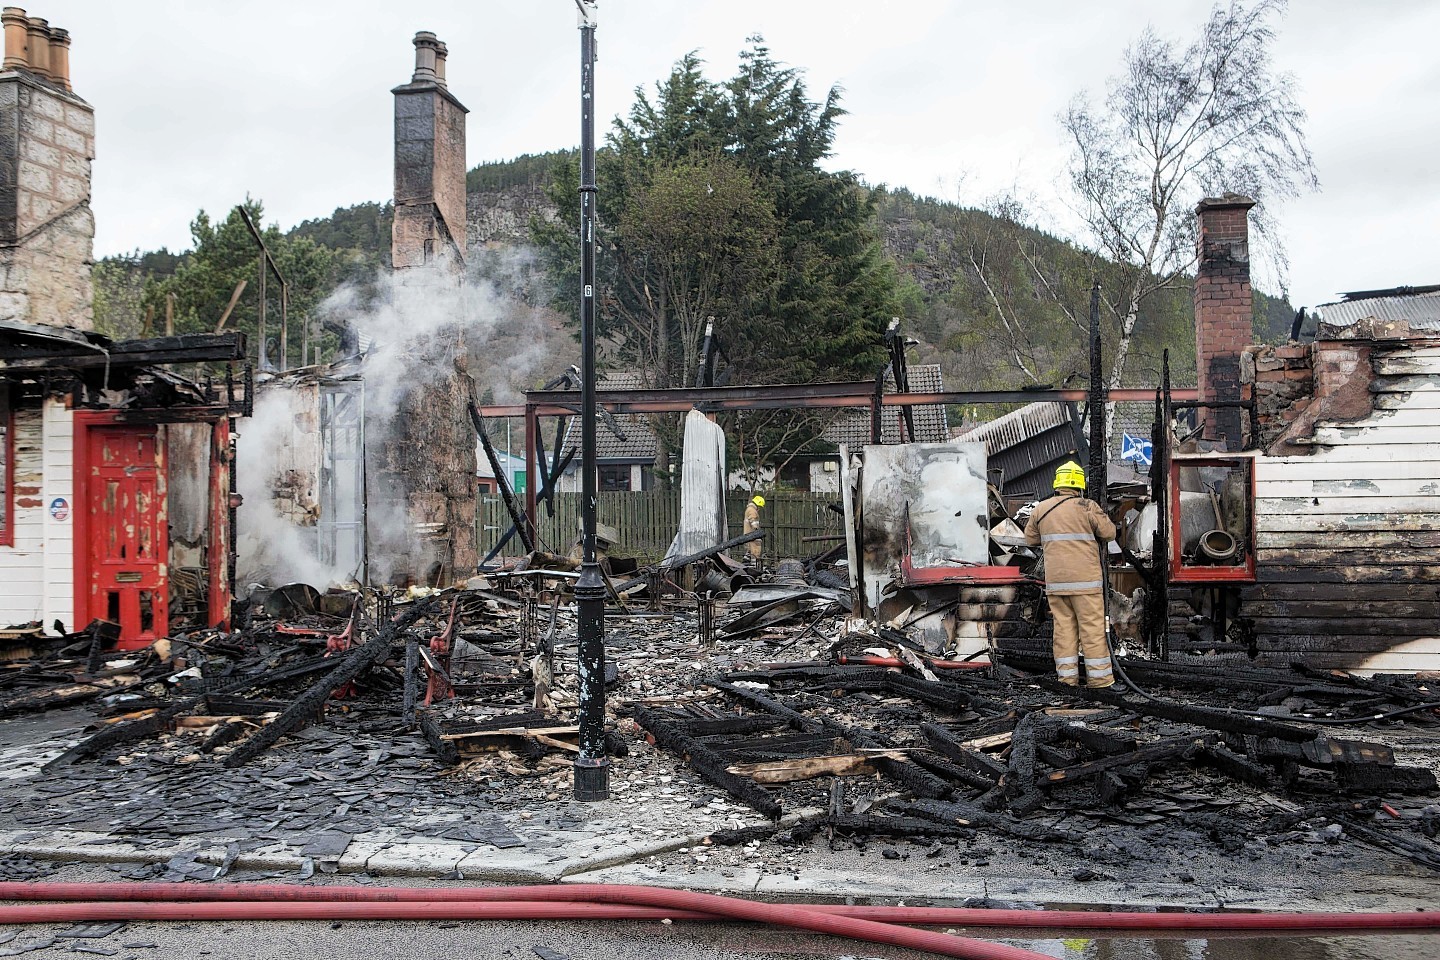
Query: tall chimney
[60, 57]
[1223, 308]
[429, 221]
[17, 27]
[39, 46]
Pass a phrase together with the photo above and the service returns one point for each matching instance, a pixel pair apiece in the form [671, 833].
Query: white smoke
[512, 346]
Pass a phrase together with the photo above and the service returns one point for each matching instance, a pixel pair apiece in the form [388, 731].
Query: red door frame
[84, 421]
[218, 559]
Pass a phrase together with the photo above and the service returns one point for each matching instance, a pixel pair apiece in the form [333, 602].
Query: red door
[127, 530]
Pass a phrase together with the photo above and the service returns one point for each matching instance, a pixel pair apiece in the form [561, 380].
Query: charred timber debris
[898, 742]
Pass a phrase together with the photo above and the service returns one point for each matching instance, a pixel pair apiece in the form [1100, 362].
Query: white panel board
[702, 488]
[941, 488]
[59, 483]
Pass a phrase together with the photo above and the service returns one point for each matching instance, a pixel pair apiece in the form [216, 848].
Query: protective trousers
[1080, 628]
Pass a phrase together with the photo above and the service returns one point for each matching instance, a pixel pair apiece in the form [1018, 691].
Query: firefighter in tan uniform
[1072, 530]
[752, 523]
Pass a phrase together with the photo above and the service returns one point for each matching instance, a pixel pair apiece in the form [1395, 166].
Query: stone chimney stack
[47, 140]
[429, 164]
[425, 469]
[1223, 307]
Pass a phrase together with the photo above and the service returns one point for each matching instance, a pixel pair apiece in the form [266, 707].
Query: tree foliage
[223, 255]
[713, 205]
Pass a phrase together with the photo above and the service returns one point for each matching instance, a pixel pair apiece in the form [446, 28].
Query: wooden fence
[647, 522]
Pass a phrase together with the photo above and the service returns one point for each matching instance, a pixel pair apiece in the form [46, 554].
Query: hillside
[995, 302]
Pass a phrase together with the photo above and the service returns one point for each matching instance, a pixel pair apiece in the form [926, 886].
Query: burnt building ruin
[114, 469]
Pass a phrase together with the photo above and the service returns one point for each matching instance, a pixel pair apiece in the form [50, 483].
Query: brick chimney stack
[1223, 307]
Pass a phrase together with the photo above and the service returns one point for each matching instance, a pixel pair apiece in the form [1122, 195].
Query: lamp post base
[592, 780]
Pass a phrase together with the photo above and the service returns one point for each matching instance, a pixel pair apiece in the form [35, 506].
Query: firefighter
[752, 523]
[1069, 528]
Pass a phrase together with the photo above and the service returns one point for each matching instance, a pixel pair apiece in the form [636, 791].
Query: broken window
[7, 469]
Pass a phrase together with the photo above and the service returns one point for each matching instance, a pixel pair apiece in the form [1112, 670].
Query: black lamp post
[592, 768]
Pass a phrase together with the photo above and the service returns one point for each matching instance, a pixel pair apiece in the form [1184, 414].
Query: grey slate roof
[930, 422]
[639, 445]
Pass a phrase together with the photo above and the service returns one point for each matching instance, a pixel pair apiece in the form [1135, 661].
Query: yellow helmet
[1070, 474]
[758, 501]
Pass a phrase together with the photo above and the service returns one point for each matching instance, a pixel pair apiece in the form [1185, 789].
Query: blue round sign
[60, 508]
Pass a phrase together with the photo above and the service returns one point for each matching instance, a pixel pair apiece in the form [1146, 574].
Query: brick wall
[47, 231]
[1223, 307]
[1298, 383]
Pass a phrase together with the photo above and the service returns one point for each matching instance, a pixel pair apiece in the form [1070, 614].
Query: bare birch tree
[1178, 124]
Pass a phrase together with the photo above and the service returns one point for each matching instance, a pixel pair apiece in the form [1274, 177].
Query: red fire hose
[254, 905]
[618, 902]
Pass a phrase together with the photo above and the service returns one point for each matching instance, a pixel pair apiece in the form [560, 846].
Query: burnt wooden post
[592, 768]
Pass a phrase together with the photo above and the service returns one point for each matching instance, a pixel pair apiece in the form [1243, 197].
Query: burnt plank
[706, 762]
[1178, 748]
[1372, 778]
[759, 701]
[947, 744]
[1236, 767]
[1104, 742]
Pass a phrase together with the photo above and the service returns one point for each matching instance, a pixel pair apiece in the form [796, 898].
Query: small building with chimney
[1344, 439]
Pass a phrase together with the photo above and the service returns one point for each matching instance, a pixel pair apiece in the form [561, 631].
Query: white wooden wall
[1348, 539]
[37, 573]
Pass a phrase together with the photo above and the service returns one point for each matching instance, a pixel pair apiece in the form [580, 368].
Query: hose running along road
[230, 901]
[254, 906]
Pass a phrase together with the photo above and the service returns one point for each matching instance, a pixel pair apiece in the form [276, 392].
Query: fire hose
[596, 901]
[243, 901]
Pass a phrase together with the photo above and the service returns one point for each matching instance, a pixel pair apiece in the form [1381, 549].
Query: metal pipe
[591, 767]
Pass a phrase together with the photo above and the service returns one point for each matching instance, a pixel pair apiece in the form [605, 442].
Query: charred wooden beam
[1235, 766]
[1180, 748]
[187, 348]
[954, 773]
[918, 781]
[445, 750]
[947, 744]
[310, 703]
[1103, 742]
[967, 814]
[759, 701]
[706, 762]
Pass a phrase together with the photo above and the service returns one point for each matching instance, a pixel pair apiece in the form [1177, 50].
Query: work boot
[1100, 684]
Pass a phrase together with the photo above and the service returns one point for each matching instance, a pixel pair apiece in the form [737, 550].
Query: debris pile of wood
[1236, 752]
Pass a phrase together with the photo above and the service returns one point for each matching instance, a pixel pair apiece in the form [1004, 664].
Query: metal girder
[809, 395]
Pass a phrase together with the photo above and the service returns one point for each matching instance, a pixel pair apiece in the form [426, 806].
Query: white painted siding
[1348, 539]
[59, 481]
[22, 568]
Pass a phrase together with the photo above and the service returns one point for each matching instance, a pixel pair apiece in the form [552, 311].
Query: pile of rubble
[440, 705]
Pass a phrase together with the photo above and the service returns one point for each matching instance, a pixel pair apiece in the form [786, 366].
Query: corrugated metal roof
[1420, 310]
[1026, 445]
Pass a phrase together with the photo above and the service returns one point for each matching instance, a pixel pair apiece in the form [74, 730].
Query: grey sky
[198, 103]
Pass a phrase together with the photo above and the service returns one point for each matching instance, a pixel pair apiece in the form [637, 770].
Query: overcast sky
[199, 102]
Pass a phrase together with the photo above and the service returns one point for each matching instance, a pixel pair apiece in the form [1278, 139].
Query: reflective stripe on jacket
[1069, 528]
